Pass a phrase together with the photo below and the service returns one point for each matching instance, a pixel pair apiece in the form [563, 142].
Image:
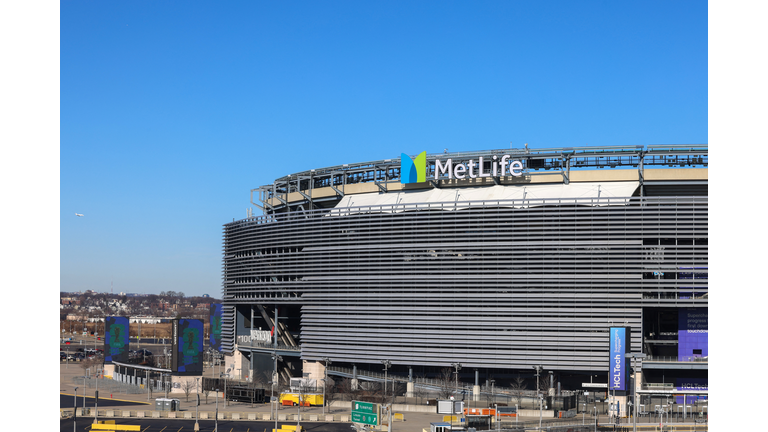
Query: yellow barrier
[399, 416]
[450, 418]
[115, 427]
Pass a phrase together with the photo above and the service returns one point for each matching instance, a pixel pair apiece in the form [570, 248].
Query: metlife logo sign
[415, 170]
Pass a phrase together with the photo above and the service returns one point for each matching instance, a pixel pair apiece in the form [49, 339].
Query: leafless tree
[331, 392]
[517, 388]
[206, 391]
[346, 389]
[88, 363]
[420, 392]
[187, 386]
[445, 383]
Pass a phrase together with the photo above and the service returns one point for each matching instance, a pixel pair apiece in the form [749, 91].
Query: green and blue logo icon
[413, 170]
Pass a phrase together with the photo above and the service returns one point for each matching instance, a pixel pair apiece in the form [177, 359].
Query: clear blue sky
[172, 111]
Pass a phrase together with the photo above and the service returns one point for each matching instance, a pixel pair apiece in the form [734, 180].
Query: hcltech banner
[187, 355]
[116, 339]
[618, 369]
[215, 314]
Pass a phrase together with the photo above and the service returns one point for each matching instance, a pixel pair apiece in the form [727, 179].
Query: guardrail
[202, 415]
[675, 359]
[246, 341]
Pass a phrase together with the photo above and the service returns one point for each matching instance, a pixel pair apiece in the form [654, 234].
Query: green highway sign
[365, 412]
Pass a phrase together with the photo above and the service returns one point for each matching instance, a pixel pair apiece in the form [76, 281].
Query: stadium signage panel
[499, 167]
[618, 362]
[414, 170]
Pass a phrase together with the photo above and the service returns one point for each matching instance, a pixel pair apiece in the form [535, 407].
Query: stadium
[496, 264]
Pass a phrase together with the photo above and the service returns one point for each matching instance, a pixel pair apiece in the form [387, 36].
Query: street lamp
[493, 396]
[386, 364]
[538, 393]
[325, 381]
[275, 381]
[165, 383]
[197, 391]
[216, 418]
[634, 357]
[75, 417]
[456, 366]
[225, 376]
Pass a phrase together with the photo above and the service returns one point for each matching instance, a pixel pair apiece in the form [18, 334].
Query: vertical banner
[187, 346]
[618, 368]
[215, 314]
[116, 339]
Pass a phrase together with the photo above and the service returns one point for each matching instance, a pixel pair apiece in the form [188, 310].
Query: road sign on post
[366, 413]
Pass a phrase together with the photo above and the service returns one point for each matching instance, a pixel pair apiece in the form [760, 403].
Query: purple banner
[692, 334]
[618, 369]
[691, 384]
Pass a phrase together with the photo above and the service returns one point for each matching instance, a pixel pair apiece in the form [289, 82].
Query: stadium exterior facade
[499, 271]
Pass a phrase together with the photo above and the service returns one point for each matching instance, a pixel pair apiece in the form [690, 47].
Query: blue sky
[172, 111]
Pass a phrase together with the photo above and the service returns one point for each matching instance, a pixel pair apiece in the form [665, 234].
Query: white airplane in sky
[79, 215]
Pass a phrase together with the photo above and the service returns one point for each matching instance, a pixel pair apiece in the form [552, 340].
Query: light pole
[493, 396]
[165, 384]
[225, 376]
[457, 366]
[634, 357]
[386, 364]
[96, 398]
[216, 417]
[75, 418]
[538, 372]
[325, 381]
[197, 393]
[275, 381]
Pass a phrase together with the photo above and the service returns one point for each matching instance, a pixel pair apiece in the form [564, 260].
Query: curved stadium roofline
[296, 189]
[545, 153]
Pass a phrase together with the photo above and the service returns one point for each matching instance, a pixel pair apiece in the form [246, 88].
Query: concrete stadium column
[409, 385]
[476, 388]
[315, 369]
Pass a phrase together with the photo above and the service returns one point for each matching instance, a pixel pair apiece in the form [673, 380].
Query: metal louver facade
[488, 286]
